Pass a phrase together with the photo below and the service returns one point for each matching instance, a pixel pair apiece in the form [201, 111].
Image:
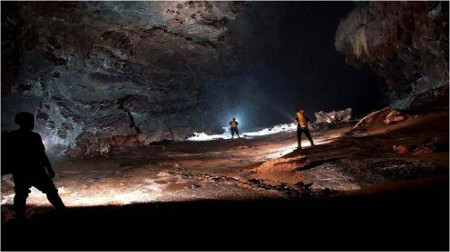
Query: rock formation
[406, 43]
[100, 75]
[334, 116]
[94, 70]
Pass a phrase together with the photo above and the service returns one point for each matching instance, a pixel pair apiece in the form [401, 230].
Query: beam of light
[248, 135]
[274, 130]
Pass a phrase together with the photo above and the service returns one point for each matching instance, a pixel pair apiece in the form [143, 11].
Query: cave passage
[134, 103]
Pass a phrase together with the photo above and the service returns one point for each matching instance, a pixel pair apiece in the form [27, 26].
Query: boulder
[379, 119]
[334, 116]
[372, 118]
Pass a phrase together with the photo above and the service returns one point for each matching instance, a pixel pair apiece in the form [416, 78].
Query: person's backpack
[6, 153]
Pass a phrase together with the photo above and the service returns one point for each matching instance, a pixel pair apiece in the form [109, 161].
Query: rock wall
[80, 67]
[405, 42]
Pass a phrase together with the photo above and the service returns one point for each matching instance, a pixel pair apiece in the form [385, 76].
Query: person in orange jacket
[302, 127]
[234, 128]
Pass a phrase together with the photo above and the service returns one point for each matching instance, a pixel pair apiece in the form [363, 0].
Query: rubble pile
[333, 119]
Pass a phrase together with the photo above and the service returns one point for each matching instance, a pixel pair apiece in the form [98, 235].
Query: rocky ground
[407, 159]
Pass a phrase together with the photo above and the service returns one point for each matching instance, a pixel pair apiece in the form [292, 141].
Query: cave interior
[133, 101]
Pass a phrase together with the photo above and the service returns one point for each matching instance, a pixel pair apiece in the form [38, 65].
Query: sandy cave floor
[269, 167]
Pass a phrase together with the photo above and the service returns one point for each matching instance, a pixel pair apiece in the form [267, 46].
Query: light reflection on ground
[107, 196]
[140, 187]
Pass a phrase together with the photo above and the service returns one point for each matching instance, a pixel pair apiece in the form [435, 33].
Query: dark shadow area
[442, 148]
[162, 142]
[413, 218]
[317, 163]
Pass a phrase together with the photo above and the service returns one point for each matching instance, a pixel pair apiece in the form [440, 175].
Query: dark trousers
[22, 185]
[233, 131]
[299, 136]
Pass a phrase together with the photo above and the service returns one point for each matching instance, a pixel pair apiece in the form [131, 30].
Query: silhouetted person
[234, 128]
[30, 165]
[302, 127]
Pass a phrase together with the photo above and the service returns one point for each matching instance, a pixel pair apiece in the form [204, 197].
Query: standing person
[234, 128]
[302, 127]
[28, 162]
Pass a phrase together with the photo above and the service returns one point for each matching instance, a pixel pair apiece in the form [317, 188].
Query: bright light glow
[51, 140]
[116, 190]
[106, 196]
[274, 130]
[8, 199]
[205, 137]
[46, 145]
[248, 135]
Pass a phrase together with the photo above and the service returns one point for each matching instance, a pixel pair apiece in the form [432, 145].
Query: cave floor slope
[344, 164]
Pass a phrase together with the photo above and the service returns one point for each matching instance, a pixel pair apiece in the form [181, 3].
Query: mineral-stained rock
[400, 149]
[394, 117]
[406, 43]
